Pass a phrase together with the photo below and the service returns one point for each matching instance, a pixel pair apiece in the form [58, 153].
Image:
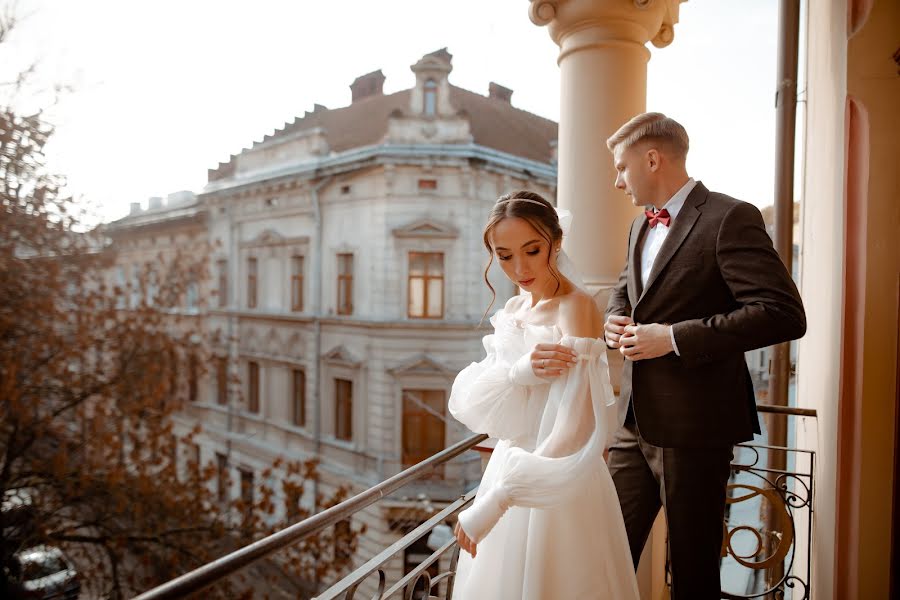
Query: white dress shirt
[657, 235]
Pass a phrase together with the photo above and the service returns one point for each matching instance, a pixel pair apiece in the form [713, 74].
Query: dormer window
[430, 98]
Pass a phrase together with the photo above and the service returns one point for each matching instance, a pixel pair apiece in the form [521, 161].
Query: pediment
[426, 228]
[271, 237]
[340, 355]
[421, 365]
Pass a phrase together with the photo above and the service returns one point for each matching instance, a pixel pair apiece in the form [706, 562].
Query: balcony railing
[230, 564]
[764, 542]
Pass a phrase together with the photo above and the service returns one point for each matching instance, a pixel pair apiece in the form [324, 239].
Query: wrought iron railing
[765, 541]
[770, 541]
[230, 564]
[787, 492]
[408, 585]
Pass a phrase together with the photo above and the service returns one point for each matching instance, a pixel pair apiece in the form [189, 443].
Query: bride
[546, 521]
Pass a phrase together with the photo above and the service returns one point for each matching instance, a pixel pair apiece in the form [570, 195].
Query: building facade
[347, 284]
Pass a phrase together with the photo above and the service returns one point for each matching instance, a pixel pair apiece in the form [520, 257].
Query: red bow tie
[657, 218]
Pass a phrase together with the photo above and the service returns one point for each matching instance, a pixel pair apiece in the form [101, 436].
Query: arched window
[430, 97]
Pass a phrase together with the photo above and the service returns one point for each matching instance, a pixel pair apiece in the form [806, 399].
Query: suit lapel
[638, 227]
[682, 226]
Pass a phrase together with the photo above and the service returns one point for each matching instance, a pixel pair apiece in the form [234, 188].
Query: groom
[702, 285]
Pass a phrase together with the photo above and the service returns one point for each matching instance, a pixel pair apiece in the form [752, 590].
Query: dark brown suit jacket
[719, 282]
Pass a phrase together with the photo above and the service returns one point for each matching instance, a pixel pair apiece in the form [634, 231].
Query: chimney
[370, 84]
[135, 208]
[498, 92]
[154, 203]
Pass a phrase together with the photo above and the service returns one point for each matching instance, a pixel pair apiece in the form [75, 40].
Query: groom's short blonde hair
[652, 127]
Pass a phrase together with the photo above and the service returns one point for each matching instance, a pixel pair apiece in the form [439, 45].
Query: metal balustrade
[787, 493]
[230, 564]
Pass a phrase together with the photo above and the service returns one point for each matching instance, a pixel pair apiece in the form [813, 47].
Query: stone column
[603, 67]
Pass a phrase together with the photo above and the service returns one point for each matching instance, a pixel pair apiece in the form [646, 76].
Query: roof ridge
[504, 103]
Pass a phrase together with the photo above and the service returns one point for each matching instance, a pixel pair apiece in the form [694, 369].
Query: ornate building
[348, 268]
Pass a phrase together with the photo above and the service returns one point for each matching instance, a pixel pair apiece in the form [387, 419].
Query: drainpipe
[317, 326]
[233, 351]
[785, 131]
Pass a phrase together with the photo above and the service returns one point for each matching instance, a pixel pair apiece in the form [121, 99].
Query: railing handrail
[229, 564]
[786, 410]
[352, 580]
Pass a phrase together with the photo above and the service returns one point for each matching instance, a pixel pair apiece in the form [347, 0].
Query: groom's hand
[642, 342]
[614, 329]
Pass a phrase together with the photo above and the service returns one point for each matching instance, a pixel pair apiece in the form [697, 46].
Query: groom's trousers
[689, 484]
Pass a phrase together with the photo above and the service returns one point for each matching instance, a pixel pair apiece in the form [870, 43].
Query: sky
[162, 90]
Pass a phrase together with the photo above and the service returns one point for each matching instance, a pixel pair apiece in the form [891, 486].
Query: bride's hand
[550, 360]
[464, 542]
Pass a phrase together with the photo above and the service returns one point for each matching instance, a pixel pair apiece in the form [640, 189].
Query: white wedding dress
[546, 517]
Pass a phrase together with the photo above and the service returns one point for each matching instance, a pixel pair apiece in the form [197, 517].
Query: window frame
[253, 386]
[426, 279]
[298, 397]
[429, 92]
[222, 380]
[297, 299]
[222, 478]
[344, 305]
[222, 273]
[345, 411]
[252, 282]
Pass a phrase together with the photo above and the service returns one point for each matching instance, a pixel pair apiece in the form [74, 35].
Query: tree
[89, 383]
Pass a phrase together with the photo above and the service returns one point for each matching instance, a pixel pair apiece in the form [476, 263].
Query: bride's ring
[544, 363]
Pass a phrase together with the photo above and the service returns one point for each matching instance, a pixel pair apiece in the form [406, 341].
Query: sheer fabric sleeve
[493, 397]
[579, 416]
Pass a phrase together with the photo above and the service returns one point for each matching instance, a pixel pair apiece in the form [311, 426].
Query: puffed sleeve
[578, 418]
[494, 397]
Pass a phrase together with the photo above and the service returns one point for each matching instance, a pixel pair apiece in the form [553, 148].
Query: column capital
[638, 21]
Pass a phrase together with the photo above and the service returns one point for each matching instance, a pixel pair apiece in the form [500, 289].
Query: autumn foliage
[91, 374]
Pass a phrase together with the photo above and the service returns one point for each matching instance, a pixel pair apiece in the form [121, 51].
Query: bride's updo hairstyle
[539, 213]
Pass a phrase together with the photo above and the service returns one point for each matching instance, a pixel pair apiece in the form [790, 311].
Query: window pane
[345, 301]
[222, 480]
[222, 267]
[416, 297]
[343, 409]
[436, 264]
[251, 282]
[435, 297]
[430, 97]
[345, 264]
[417, 264]
[299, 398]
[247, 486]
[253, 404]
[297, 283]
[222, 380]
[423, 424]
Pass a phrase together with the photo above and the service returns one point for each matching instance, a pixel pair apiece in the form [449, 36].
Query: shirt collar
[677, 201]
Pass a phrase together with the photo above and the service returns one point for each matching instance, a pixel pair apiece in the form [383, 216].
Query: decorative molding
[379, 154]
[270, 237]
[426, 228]
[420, 365]
[655, 19]
[340, 356]
[666, 33]
[542, 12]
